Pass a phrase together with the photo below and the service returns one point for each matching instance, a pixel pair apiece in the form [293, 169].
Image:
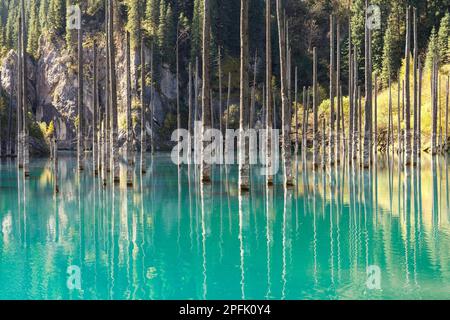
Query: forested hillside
[163, 23]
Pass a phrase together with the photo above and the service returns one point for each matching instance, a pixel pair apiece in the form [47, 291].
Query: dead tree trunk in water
[206, 104]
[368, 96]
[269, 100]
[296, 111]
[376, 117]
[332, 88]
[143, 110]
[419, 118]
[415, 80]
[94, 113]
[286, 116]
[446, 115]
[80, 140]
[152, 101]
[113, 91]
[9, 142]
[350, 92]
[244, 167]
[355, 137]
[338, 86]
[19, 100]
[55, 159]
[408, 150]
[26, 147]
[220, 92]
[129, 144]
[435, 108]
[316, 160]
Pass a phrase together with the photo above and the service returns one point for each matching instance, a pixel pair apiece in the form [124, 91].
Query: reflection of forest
[160, 241]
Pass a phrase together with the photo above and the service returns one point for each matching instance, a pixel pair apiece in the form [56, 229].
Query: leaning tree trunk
[368, 97]
[113, 92]
[316, 160]
[206, 104]
[332, 88]
[269, 100]
[286, 116]
[143, 110]
[129, 145]
[244, 166]
[26, 147]
[408, 150]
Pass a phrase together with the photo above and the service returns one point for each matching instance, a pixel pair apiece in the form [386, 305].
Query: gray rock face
[52, 85]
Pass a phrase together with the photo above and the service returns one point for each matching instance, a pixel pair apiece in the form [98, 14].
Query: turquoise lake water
[170, 238]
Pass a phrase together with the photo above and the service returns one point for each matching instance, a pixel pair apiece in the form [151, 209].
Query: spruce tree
[162, 27]
[134, 21]
[196, 33]
[443, 40]
[33, 30]
[152, 17]
[432, 50]
[43, 11]
[57, 16]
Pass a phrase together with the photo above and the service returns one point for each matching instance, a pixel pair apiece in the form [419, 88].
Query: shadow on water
[170, 237]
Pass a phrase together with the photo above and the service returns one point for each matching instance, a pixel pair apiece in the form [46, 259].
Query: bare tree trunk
[360, 132]
[152, 102]
[446, 115]
[228, 100]
[376, 117]
[416, 111]
[408, 150]
[368, 97]
[356, 107]
[244, 181]
[303, 120]
[114, 122]
[80, 140]
[129, 148]
[419, 125]
[390, 117]
[269, 98]
[296, 110]
[19, 100]
[26, 147]
[94, 112]
[332, 88]
[9, 142]
[315, 111]
[55, 159]
[253, 95]
[206, 104]
[177, 58]
[190, 127]
[286, 116]
[338, 86]
[399, 129]
[324, 144]
[435, 107]
[107, 124]
[143, 110]
[350, 92]
[220, 92]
